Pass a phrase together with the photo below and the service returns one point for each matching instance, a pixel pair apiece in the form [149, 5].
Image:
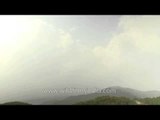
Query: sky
[42, 52]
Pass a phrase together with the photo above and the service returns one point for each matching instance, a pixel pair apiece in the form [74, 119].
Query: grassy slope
[108, 100]
[150, 101]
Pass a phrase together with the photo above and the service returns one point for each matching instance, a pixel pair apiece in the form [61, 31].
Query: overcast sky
[45, 52]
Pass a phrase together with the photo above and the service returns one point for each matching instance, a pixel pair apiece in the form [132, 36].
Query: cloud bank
[41, 55]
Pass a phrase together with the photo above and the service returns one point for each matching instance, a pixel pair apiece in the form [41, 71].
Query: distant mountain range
[114, 91]
[110, 91]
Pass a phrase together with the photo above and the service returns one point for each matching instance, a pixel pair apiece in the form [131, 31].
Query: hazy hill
[114, 95]
[15, 103]
[110, 91]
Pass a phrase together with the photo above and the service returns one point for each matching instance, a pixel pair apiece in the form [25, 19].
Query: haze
[39, 53]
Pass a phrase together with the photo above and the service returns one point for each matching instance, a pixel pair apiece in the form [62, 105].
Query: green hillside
[109, 100]
[150, 101]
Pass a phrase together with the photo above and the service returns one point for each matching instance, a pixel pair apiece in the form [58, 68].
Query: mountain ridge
[109, 91]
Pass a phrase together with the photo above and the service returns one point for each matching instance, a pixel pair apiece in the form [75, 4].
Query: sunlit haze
[38, 53]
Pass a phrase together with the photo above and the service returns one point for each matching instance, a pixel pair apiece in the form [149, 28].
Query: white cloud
[65, 39]
[134, 52]
[144, 31]
[49, 56]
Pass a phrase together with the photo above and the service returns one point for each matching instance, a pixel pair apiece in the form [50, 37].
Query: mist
[39, 53]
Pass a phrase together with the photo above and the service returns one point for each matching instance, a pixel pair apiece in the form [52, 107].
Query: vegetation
[109, 100]
[15, 103]
[150, 101]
